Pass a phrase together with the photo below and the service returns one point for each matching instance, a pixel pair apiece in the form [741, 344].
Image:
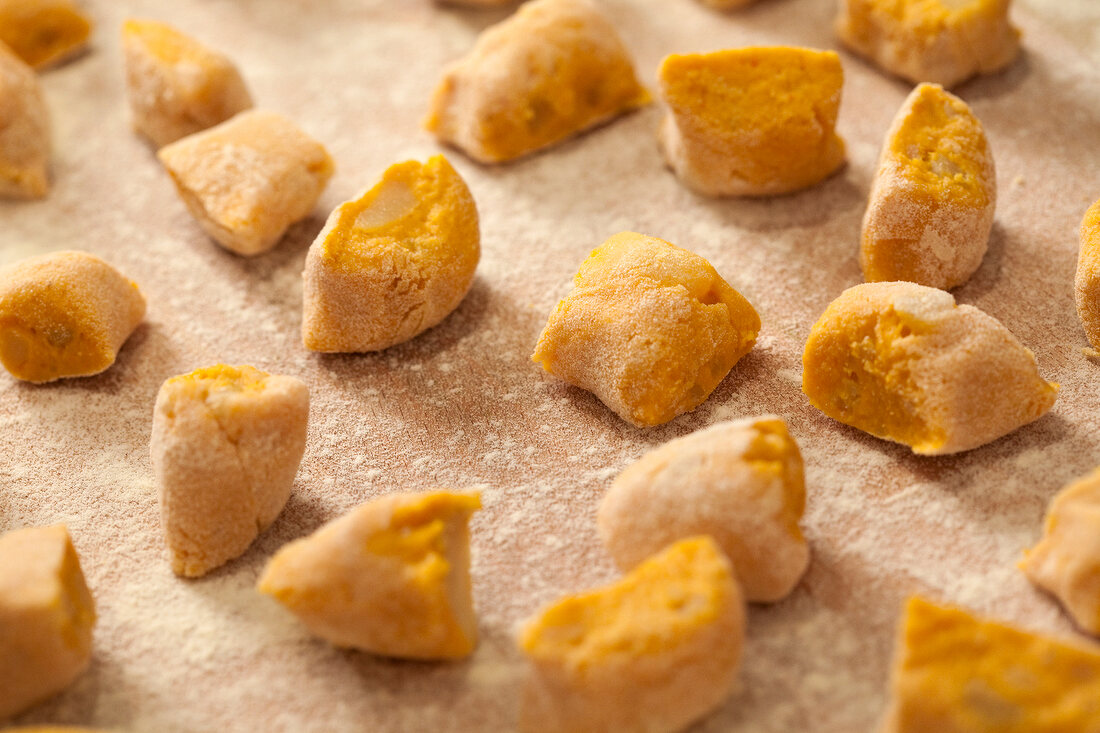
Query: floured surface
[463, 405]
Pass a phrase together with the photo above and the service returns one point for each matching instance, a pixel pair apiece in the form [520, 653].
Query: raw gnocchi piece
[24, 131]
[248, 179]
[727, 4]
[552, 70]
[649, 328]
[177, 86]
[651, 653]
[932, 199]
[391, 577]
[46, 616]
[64, 314]
[1087, 280]
[941, 41]
[392, 263]
[902, 362]
[739, 482]
[226, 445]
[42, 32]
[751, 121]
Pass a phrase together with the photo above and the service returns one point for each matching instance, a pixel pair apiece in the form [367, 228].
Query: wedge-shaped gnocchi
[932, 199]
[248, 179]
[64, 314]
[649, 328]
[46, 616]
[941, 41]
[1066, 562]
[740, 482]
[1087, 280]
[391, 577]
[651, 653]
[902, 362]
[954, 673]
[24, 131]
[226, 445]
[177, 86]
[392, 263]
[751, 121]
[553, 69]
[42, 32]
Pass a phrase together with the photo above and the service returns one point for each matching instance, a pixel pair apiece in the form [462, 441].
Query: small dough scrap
[24, 131]
[932, 199]
[226, 445]
[649, 328]
[651, 653]
[1087, 281]
[551, 70]
[752, 121]
[177, 86]
[248, 179]
[392, 263]
[741, 482]
[391, 577]
[940, 41]
[1067, 560]
[64, 314]
[954, 673]
[902, 362]
[46, 616]
[42, 32]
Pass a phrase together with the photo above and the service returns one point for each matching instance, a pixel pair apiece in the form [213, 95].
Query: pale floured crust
[24, 131]
[1087, 280]
[903, 362]
[43, 32]
[225, 447]
[248, 179]
[932, 199]
[553, 69]
[740, 482]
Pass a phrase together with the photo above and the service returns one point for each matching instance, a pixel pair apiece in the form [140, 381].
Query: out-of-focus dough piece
[553, 69]
[932, 199]
[1087, 281]
[248, 179]
[727, 4]
[649, 328]
[46, 616]
[24, 131]
[177, 86]
[42, 32]
[391, 577]
[954, 673]
[651, 653]
[477, 3]
[941, 41]
[752, 121]
[1066, 562]
[740, 482]
[902, 362]
[226, 445]
[392, 263]
[64, 314]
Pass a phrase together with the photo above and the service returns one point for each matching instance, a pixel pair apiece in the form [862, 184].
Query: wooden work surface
[463, 405]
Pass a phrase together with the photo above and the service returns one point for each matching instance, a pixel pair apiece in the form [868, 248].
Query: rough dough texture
[248, 179]
[651, 653]
[751, 121]
[901, 361]
[740, 482]
[1087, 281]
[932, 199]
[24, 131]
[391, 577]
[64, 314]
[941, 41]
[176, 85]
[954, 673]
[551, 70]
[1067, 560]
[42, 32]
[226, 445]
[46, 616]
[649, 328]
[392, 263]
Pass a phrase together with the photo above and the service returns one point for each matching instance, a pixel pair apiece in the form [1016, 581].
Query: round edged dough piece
[1087, 280]
[24, 131]
[43, 32]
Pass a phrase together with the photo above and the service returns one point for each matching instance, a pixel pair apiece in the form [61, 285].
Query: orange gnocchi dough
[42, 32]
[1087, 280]
[24, 131]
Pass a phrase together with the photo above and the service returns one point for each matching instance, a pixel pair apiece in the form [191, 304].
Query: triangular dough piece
[24, 131]
[42, 32]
